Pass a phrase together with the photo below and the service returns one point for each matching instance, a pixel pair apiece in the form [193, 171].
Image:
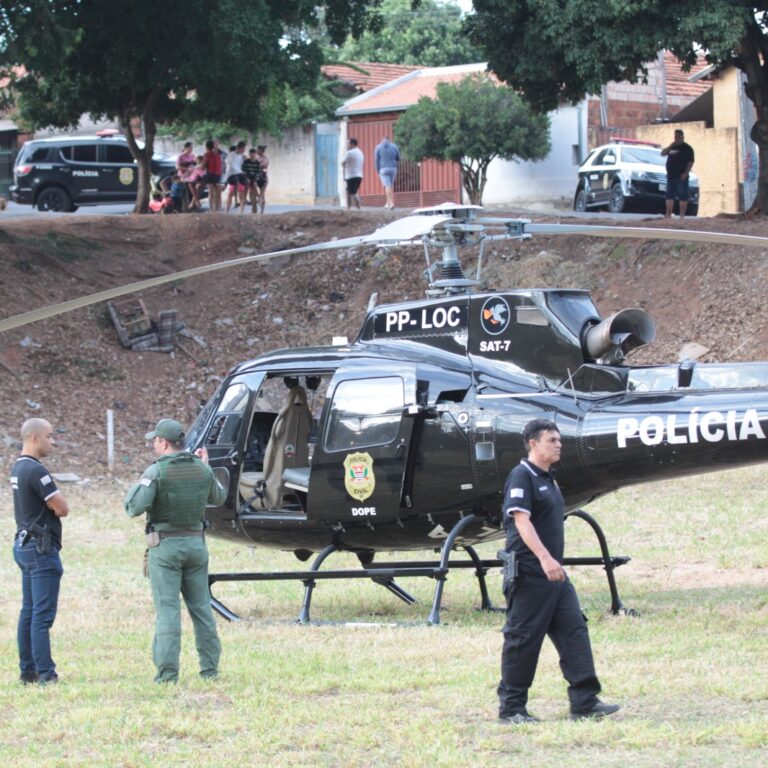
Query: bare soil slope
[72, 368]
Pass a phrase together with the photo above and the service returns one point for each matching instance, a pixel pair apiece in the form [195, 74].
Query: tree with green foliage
[472, 123]
[558, 50]
[427, 35]
[159, 62]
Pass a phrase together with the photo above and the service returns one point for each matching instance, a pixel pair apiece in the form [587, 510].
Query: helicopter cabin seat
[288, 448]
[296, 478]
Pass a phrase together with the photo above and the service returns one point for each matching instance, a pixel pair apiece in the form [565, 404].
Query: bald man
[38, 506]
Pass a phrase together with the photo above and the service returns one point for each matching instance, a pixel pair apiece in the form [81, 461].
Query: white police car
[627, 175]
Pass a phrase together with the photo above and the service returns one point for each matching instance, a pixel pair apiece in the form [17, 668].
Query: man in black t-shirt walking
[38, 507]
[680, 159]
[541, 600]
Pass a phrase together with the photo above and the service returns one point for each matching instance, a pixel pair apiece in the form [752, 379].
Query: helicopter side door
[360, 463]
[224, 437]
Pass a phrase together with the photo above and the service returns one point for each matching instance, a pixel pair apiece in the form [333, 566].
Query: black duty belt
[176, 534]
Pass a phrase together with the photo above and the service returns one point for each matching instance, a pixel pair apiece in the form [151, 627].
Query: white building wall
[551, 179]
[291, 166]
[291, 163]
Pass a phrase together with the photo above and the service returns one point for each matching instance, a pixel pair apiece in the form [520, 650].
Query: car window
[115, 153]
[33, 155]
[600, 159]
[649, 155]
[79, 153]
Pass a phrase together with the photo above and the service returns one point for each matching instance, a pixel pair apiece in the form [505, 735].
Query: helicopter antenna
[480, 259]
[428, 271]
[573, 389]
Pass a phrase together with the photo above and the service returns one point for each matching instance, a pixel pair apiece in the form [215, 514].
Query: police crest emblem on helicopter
[359, 479]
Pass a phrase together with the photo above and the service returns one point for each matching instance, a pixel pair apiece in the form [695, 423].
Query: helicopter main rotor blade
[43, 313]
[400, 232]
[691, 235]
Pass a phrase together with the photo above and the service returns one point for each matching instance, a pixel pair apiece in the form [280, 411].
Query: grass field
[386, 690]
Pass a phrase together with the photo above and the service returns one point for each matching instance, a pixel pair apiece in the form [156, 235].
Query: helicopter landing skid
[386, 573]
[381, 573]
[609, 563]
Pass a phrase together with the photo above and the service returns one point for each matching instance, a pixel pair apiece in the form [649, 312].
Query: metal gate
[326, 164]
[429, 182]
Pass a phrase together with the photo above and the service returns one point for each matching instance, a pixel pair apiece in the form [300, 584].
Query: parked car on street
[61, 173]
[627, 175]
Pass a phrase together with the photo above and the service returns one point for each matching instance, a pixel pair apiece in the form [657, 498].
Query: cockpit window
[229, 416]
[597, 380]
[574, 309]
[234, 398]
[365, 412]
[724, 376]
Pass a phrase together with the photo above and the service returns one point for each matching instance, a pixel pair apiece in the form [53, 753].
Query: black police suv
[63, 172]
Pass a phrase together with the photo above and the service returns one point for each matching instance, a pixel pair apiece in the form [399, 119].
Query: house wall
[291, 163]
[725, 98]
[551, 179]
[717, 162]
[291, 166]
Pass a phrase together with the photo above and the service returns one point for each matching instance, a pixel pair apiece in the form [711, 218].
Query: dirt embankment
[71, 369]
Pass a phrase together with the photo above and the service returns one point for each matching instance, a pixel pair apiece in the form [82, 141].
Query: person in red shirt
[213, 170]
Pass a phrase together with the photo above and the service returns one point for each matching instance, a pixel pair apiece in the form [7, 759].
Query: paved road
[16, 211]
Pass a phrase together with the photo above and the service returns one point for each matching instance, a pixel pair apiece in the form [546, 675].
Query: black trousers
[537, 607]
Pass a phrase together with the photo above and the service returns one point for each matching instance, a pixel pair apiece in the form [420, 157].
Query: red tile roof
[678, 83]
[407, 90]
[372, 75]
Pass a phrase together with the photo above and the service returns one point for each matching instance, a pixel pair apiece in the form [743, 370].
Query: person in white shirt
[236, 179]
[352, 164]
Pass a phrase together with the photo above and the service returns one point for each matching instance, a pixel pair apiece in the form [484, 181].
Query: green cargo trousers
[180, 566]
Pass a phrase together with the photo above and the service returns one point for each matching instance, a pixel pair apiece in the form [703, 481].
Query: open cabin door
[360, 463]
[226, 433]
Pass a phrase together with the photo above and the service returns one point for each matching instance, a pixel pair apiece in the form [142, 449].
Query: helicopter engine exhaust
[619, 335]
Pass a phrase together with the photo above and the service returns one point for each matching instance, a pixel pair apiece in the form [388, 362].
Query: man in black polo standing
[680, 159]
[541, 599]
[38, 507]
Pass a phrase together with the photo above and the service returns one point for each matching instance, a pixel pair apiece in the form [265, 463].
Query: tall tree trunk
[144, 188]
[470, 182]
[752, 59]
[143, 154]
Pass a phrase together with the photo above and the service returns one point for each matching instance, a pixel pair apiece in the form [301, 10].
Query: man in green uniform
[173, 491]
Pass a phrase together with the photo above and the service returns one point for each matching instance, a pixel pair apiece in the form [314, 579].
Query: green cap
[168, 429]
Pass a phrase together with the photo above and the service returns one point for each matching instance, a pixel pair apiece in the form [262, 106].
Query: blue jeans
[40, 579]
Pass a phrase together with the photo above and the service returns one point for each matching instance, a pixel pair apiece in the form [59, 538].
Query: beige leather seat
[287, 449]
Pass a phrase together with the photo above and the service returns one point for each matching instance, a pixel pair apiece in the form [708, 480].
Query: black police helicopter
[402, 439]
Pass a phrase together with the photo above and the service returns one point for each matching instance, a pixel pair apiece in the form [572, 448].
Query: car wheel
[616, 202]
[580, 201]
[692, 210]
[54, 199]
